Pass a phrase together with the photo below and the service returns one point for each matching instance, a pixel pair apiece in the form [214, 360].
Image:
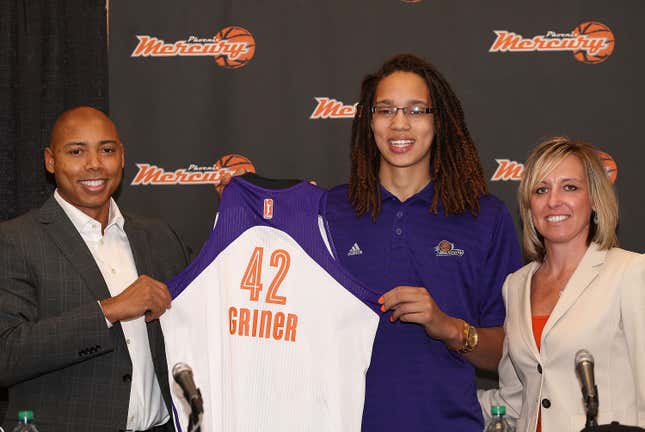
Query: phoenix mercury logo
[512, 170]
[446, 248]
[329, 108]
[590, 42]
[232, 47]
[217, 174]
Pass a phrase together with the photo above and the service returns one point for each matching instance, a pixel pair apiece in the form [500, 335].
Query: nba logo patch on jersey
[268, 208]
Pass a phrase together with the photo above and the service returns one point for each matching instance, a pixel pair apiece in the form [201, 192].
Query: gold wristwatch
[471, 339]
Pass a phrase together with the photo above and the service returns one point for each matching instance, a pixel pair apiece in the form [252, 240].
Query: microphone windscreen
[583, 355]
[179, 368]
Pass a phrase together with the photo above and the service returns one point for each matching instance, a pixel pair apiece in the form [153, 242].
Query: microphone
[183, 375]
[584, 368]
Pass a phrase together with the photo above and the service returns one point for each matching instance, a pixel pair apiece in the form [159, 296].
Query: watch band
[471, 339]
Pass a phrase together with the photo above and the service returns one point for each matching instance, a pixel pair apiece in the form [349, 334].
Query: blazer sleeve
[509, 392]
[31, 344]
[633, 319]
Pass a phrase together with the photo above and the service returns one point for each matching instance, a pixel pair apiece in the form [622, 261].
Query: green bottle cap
[26, 415]
[497, 410]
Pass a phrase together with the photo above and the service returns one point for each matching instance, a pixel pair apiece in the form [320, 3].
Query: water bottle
[25, 422]
[498, 423]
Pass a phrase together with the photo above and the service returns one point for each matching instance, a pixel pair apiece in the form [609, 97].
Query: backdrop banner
[196, 81]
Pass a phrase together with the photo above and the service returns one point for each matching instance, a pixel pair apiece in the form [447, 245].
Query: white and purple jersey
[278, 334]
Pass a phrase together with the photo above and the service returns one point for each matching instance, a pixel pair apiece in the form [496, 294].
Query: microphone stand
[196, 411]
[194, 423]
[613, 427]
[591, 408]
[591, 425]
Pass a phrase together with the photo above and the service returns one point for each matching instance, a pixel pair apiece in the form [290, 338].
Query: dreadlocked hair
[455, 167]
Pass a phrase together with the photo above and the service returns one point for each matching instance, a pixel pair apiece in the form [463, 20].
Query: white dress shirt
[113, 255]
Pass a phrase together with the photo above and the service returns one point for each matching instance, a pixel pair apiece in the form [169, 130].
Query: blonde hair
[542, 160]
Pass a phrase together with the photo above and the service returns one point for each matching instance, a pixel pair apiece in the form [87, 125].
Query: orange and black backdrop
[196, 80]
[191, 82]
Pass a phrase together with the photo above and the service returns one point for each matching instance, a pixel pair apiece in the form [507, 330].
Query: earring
[594, 217]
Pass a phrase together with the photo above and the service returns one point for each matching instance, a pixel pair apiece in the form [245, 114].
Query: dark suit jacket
[57, 356]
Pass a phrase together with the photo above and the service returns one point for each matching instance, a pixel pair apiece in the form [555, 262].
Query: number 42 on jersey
[263, 323]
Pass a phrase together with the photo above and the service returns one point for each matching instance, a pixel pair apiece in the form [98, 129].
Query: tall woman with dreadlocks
[417, 224]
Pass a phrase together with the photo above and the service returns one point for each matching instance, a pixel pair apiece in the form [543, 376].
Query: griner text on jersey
[262, 324]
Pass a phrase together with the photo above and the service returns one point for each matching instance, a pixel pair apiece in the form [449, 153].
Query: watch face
[472, 337]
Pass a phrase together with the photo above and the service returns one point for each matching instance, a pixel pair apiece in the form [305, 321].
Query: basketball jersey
[278, 334]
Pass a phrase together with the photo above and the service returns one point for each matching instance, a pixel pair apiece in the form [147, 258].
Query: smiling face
[403, 141]
[561, 205]
[86, 158]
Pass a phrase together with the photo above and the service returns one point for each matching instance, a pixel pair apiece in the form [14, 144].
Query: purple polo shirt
[415, 383]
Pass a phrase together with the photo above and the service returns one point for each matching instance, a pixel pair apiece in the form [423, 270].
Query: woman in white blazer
[579, 292]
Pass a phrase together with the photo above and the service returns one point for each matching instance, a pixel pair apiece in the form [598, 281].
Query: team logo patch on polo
[445, 248]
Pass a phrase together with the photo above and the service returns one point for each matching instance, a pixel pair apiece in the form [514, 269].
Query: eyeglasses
[411, 112]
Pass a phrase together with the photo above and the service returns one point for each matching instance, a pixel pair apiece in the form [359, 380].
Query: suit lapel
[139, 246]
[581, 278]
[527, 314]
[71, 246]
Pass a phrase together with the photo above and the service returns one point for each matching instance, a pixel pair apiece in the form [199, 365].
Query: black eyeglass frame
[405, 109]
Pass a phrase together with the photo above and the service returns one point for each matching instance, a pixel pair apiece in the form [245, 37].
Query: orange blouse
[538, 322]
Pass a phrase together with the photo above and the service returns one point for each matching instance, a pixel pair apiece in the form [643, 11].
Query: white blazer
[602, 309]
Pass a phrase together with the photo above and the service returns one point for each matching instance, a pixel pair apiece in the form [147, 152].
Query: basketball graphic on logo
[609, 164]
[596, 30]
[445, 246]
[240, 48]
[235, 164]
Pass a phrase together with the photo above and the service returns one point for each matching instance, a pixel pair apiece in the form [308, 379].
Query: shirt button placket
[397, 260]
[398, 230]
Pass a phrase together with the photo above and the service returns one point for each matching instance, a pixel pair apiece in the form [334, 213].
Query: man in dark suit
[80, 294]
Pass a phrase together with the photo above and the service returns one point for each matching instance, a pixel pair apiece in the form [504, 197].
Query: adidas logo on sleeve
[354, 250]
